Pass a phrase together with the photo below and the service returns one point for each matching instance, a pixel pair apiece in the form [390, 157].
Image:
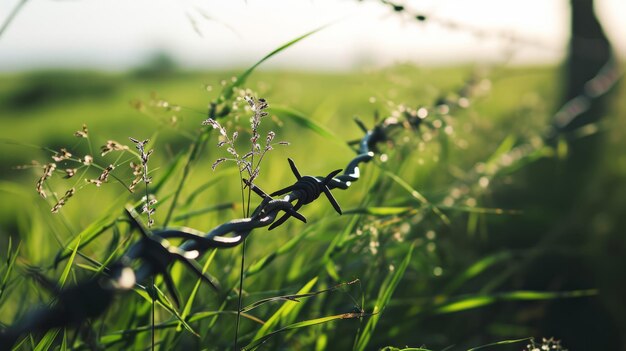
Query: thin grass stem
[195, 147]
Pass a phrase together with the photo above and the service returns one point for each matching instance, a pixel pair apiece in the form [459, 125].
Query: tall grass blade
[167, 173]
[164, 301]
[215, 179]
[264, 261]
[260, 340]
[93, 230]
[476, 301]
[46, 341]
[481, 210]
[338, 240]
[11, 16]
[300, 119]
[295, 297]
[11, 257]
[202, 211]
[194, 291]
[64, 340]
[386, 291]
[198, 144]
[283, 311]
[117, 336]
[380, 211]
[505, 146]
[503, 342]
[418, 196]
[477, 268]
[241, 79]
[68, 266]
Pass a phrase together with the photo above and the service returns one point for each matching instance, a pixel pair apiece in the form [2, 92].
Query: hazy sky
[117, 34]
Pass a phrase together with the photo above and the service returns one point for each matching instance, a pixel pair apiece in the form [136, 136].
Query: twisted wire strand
[91, 298]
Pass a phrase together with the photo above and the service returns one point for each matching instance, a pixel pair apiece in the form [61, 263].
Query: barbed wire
[566, 117]
[503, 35]
[91, 298]
[156, 253]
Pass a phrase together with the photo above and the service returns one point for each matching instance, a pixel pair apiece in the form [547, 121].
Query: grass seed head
[141, 174]
[216, 125]
[70, 172]
[217, 163]
[112, 145]
[87, 160]
[104, 176]
[61, 155]
[546, 344]
[134, 183]
[84, 133]
[62, 200]
[97, 182]
[47, 173]
[137, 169]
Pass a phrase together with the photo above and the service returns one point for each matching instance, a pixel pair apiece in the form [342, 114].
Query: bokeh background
[149, 69]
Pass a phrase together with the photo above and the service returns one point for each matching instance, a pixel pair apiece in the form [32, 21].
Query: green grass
[524, 256]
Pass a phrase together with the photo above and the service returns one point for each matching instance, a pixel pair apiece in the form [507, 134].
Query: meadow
[467, 231]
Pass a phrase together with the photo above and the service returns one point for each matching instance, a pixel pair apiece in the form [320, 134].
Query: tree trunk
[589, 51]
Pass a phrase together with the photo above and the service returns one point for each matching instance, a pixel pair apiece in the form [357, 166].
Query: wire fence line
[156, 253]
[91, 298]
[506, 36]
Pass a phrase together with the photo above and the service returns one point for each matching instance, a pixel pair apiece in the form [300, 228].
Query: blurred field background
[534, 250]
[44, 108]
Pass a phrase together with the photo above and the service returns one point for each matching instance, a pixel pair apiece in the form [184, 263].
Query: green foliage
[480, 251]
[387, 289]
[305, 122]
